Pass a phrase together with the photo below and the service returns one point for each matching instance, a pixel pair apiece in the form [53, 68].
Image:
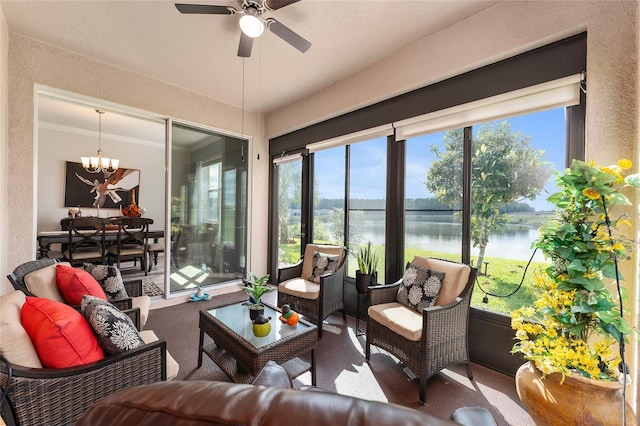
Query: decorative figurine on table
[261, 326]
[289, 316]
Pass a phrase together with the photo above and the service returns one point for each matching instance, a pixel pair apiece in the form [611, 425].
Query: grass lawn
[502, 277]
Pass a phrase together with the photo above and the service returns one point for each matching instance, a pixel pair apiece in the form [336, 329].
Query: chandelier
[99, 163]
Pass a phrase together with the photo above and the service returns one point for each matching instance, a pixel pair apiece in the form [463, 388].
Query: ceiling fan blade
[277, 4]
[246, 42]
[205, 9]
[287, 35]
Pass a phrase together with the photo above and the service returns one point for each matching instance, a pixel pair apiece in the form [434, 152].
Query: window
[328, 196]
[544, 81]
[208, 209]
[513, 161]
[433, 220]
[289, 190]
[367, 200]
[211, 190]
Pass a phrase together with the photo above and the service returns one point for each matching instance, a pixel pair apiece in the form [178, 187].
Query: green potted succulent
[367, 273]
[256, 287]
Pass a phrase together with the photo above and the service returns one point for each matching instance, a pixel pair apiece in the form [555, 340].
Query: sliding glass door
[208, 208]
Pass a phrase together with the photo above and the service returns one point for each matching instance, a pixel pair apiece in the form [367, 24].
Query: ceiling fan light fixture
[251, 25]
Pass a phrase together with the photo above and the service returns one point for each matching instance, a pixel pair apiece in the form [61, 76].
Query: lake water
[444, 233]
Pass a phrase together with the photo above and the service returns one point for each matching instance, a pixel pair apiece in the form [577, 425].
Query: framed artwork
[100, 190]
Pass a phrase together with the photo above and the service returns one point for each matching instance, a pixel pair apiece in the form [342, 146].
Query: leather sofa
[269, 401]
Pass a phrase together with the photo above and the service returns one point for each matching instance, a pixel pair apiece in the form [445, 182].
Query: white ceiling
[199, 52]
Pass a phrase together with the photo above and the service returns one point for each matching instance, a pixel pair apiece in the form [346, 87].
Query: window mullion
[466, 195]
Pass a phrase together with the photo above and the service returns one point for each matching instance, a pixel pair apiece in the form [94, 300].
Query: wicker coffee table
[241, 355]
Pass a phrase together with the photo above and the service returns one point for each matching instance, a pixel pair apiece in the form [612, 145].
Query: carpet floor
[341, 367]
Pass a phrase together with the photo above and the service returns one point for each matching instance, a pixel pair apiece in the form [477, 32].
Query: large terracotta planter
[577, 401]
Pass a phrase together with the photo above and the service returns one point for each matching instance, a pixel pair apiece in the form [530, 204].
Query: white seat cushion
[301, 288]
[398, 318]
[144, 303]
[15, 344]
[148, 336]
[43, 283]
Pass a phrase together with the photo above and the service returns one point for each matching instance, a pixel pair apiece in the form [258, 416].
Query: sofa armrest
[60, 395]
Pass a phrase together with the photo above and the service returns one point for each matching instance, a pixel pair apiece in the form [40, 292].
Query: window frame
[551, 62]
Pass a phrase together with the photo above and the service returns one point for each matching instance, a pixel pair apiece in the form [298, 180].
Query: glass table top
[236, 317]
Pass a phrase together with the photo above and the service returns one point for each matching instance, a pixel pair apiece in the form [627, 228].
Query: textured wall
[32, 62]
[4, 119]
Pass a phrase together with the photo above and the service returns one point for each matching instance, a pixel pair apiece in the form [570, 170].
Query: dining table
[46, 238]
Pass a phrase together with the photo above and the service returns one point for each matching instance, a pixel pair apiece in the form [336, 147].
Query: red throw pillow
[74, 283]
[60, 334]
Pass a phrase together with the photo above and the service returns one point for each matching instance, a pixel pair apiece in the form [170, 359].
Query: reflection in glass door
[290, 228]
[208, 208]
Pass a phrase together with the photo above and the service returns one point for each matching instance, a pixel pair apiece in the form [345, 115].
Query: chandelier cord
[242, 124]
[100, 130]
[623, 365]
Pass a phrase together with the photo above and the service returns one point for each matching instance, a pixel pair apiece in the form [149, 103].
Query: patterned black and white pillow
[420, 287]
[114, 329]
[109, 279]
[322, 264]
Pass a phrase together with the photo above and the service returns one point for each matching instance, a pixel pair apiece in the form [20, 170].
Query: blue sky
[368, 161]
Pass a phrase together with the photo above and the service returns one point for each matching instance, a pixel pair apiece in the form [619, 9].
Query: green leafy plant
[577, 323]
[367, 259]
[256, 287]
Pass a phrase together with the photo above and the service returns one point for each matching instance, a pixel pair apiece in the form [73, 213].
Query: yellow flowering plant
[577, 324]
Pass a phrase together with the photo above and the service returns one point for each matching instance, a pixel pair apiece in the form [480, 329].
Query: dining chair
[86, 241]
[132, 242]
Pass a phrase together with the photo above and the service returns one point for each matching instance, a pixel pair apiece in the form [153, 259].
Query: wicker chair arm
[60, 396]
[446, 322]
[122, 304]
[433, 310]
[134, 288]
[331, 278]
[289, 272]
[385, 293]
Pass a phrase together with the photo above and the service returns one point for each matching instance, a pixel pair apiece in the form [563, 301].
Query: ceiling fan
[252, 23]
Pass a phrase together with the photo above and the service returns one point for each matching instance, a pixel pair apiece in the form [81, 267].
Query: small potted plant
[256, 287]
[367, 273]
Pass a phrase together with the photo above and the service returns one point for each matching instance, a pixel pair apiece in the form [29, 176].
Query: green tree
[336, 218]
[505, 169]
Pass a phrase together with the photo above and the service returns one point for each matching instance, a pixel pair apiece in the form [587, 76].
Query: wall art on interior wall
[100, 190]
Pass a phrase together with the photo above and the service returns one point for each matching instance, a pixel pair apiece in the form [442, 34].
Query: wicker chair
[316, 301]
[136, 305]
[58, 396]
[432, 340]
